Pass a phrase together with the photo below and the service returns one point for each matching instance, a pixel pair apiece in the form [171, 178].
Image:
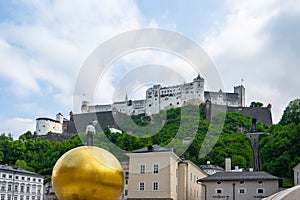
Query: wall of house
[250, 187]
[297, 175]
[166, 176]
[16, 185]
[189, 173]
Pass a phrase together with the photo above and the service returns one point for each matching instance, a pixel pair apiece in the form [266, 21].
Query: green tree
[291, 113]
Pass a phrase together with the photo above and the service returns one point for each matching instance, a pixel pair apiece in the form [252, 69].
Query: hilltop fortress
[157, 98]
[163, 98]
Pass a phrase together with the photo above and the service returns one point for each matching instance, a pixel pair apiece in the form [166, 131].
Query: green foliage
[279, 148]
[256, 104]
[37, 155]
[291, 113]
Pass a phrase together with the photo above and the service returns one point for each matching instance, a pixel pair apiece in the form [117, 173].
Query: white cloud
[247, 45]
[21, 125]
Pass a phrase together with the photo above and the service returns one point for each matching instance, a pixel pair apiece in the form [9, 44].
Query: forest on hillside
[279, 147]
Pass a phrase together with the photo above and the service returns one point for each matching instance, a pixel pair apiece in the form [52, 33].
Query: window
[242, 191]
[28, 179]
[142, 186]
[176, 173]
[126, 192]
[260, 190]
[9, 197]
[28, 188]
[126, 182]
[16, 188]
[3, 175]
[142, 169]
[155, 186]
[260, 182]
[219, 182]
[10, 176]
[219, 191]
[2, 196]
[22, 188]
[3, 186]
[17, 177]
[191, 177]
[242, 182]
[9, 187]
[155, 169]
[23, 178]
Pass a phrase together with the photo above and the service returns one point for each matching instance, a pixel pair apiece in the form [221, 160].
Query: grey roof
[151, 148]
[236, 176]
[209, 166]
[17, 170]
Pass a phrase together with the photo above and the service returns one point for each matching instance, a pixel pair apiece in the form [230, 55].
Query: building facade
[20, 184]
[239, 185]
[47, 125]
[158, 173]
[163, 98]
[297, 174]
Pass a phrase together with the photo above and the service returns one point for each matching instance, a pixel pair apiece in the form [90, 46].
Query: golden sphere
[88, 172]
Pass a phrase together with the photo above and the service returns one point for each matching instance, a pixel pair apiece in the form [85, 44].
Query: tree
[256, 104]
[291, 113]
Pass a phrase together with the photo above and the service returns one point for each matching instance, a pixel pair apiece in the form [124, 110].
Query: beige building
[239, 185]
[158, 173]
[297, 174]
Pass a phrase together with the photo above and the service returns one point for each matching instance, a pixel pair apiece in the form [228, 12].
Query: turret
[85, 106]
[240, 90]
[60, 118]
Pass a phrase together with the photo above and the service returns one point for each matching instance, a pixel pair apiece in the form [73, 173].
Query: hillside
[279, 148]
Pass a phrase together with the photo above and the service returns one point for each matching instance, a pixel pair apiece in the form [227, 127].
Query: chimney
[227, 164]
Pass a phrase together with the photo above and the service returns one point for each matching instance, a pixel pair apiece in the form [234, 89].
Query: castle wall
[46, 125]
[163, 98]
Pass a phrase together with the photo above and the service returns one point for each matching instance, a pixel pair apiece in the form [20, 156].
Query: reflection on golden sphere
[88, 172]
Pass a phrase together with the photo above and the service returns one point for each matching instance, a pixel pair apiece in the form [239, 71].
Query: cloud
[21, 125]
[50, 44]
[259, 42]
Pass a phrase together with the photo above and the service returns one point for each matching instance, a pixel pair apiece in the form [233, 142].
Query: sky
[43, 45]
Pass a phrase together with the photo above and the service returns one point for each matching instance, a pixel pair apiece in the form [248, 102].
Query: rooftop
[17, 170]
[151, 148]
[234, 176]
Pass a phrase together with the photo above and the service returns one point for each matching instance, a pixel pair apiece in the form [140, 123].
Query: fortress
[164, 98]
[157, 98]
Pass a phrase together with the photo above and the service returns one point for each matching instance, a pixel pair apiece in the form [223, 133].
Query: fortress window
[177, 103]
[149, 105]
[170, 104]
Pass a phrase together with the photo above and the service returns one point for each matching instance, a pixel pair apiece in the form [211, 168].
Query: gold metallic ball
[88, 173]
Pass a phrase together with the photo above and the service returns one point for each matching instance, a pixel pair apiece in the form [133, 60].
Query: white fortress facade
[164, 98]
[45, 125]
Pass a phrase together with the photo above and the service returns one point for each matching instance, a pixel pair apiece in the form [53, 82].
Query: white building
[47, 125]
[20, 184]
[297, 174]
[163, 98]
